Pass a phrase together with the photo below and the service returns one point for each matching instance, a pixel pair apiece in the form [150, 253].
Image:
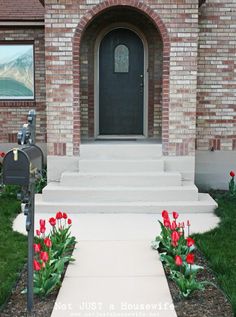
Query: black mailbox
[20, 164]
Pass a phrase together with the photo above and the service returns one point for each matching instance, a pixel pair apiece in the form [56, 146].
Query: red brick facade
[191, 80]
[216, 108]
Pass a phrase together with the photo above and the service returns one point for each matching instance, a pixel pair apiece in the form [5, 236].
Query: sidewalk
[116, 273]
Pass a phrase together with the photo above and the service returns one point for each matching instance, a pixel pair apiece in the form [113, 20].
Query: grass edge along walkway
[218, 245]
[13, 247]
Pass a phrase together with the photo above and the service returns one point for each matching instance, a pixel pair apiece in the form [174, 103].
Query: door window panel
[121, 59]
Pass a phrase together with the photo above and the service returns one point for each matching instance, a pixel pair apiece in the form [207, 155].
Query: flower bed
[53, 252]
[193, 286]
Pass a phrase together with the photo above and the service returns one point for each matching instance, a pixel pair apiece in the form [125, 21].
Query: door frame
[98, 41]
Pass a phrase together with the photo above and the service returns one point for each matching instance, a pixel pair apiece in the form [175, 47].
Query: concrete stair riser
[129, 194]
[120, 166]
[120, 151]
[121, 179]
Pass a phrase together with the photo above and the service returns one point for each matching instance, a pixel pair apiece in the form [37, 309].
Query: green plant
[187, 285]
[52, 252]
[176, 253]
[41, 182]
[232, 186]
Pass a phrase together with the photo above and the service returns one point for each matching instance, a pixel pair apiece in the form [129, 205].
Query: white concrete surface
[56, 192]
[204, 204]
[125, 177]
[56, 165]
[116, 273]
[94, 227]
[213, 168]
[120, 150]
[121, 179]
[121, 166]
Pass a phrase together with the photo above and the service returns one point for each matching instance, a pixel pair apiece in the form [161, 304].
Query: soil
[211, 302]
[16, 305]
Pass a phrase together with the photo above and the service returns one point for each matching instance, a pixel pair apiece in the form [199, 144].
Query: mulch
[16, 304]
[211, 302]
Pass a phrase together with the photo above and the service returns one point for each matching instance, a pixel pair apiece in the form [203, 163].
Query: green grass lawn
[13, 247]
[219, 246]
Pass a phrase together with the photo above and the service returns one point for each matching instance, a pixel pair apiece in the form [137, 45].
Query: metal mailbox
[19, 165]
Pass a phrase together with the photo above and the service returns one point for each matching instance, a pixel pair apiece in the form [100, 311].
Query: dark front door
[121, 70]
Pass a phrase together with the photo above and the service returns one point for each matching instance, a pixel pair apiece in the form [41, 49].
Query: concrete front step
[56, 192]
[124, 150]
[120, 179]
[204, 204]
[121, 166]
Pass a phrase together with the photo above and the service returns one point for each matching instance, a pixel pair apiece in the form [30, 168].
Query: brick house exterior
[189, 79]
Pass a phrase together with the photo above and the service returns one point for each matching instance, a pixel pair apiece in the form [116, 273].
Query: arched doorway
[148, 88]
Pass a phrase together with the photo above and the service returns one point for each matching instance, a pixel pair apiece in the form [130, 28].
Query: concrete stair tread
[151, 174]
[159, 159]
[202, 199]
[59, 186]
[204, 204]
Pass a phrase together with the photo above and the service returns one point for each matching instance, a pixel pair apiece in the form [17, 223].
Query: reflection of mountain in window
[121, 59]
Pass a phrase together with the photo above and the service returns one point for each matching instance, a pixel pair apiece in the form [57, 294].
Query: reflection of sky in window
[10, 52]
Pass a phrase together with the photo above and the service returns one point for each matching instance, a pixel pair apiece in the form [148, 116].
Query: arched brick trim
[84, 22]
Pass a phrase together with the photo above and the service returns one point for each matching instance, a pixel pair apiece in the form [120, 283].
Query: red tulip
[64, 215]
[175, 215]
[52, 221]
[43, 265]
[190, 258]
[38, 233]
[188, 223]
[69, 221]
[2, 154]
[37, 247]
[167, 223]
[178, 260]
[173, 225]
[42, 229]
[165, 214]
[48, 242]
[232, 173]
[42, 223]
[44, 256]
[36, 265]
[175, 238]
[58, 215]
[190, 242]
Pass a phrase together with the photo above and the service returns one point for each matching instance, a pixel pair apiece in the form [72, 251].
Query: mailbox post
[21, 166]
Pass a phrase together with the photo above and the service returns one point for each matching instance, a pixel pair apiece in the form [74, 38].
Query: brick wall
[65, 21]
[216, 108]
[14, 113]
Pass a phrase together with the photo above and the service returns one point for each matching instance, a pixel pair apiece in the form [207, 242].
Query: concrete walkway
[116, 273]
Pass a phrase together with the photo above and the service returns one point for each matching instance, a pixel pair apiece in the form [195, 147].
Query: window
[16, 71]
[121, 59]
